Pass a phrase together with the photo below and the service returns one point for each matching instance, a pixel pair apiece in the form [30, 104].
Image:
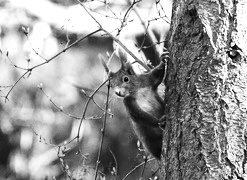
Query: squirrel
[142, 102]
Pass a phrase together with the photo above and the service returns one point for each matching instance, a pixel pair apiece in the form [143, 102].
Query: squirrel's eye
[125, 79]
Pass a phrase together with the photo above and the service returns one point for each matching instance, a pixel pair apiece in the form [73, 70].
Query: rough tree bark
[206, 90]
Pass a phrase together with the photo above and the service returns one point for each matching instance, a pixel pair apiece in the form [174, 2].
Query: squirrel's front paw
[162, 123]
[164, 57]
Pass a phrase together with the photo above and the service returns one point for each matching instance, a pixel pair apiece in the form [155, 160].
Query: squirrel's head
[124, 81]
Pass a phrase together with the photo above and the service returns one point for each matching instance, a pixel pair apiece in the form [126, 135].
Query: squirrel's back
[145, 110]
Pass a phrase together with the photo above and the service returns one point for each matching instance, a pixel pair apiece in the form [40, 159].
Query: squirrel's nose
[119, 92]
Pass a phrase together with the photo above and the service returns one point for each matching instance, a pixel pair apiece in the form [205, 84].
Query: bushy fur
[142, 102]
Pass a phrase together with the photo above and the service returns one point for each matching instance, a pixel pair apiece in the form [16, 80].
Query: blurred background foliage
[30, 124]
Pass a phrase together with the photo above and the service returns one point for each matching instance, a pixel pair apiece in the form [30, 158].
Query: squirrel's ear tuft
[125, 65]
[122, 55]
[128, 68]
[110, 74]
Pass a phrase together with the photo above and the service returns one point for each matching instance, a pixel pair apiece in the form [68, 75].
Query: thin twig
[11, 62]
[152, 38]
[82, 5]
[26, 34]
[165, 18]
[90, 98]
[144, 166]
[65, 49]
[59, 108]
[22, 76]
[2, 88]
[127, 13]
[84, 89]
[136, 167]
[42, 139]
[86, 106]
[115, 160]
[114, 38]
[126, 49]
[103, 132]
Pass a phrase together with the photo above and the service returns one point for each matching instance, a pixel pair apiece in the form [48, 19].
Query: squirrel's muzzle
[120, 92]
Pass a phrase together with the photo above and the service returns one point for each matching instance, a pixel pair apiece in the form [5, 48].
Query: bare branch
[22, 76]
[136, 167]
[86, 106]
[127, 14]
[102, 131]
[26, 34]
[116, 168]
[144, 166]
[59, 108]
[126, 49]
[114, 38]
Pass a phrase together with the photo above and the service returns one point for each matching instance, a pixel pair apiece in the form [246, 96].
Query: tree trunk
[206, 91]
